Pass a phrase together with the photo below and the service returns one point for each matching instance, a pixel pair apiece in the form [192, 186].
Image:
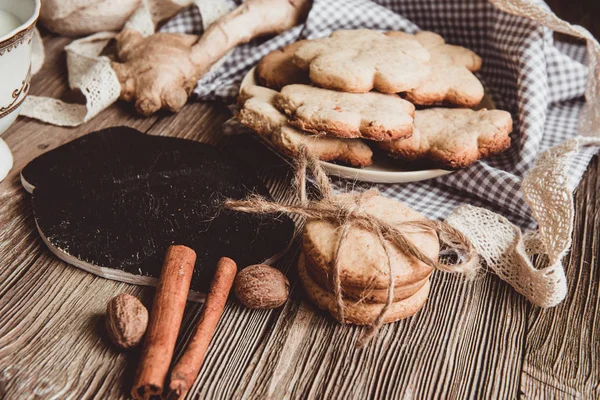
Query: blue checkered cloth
[539, 81]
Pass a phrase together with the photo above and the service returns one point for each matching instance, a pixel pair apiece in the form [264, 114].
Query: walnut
[261, 286]
[126, 320]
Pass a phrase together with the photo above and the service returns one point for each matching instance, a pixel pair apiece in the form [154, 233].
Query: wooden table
[472, 340]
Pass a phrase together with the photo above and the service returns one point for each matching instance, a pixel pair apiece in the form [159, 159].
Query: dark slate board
[111, 202]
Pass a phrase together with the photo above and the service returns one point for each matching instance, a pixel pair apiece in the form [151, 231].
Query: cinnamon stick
[185, 372]
[165, 320]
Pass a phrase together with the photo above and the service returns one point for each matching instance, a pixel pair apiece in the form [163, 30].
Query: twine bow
[347, 212]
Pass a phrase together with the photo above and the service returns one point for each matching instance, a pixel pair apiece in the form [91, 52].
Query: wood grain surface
[477, 340]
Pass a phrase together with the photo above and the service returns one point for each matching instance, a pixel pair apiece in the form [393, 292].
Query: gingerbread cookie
[374, 116]
[358, 61]
[456, 55]
[277, 70]
[363, 261]
[259, 114]
[451, 80]
[357, 312]
[453, 138]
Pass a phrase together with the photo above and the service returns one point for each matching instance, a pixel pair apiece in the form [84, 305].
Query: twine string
[346, 213]
[376, 324]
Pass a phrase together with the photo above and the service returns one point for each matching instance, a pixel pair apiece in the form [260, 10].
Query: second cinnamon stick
[186, 370]
[165, 320]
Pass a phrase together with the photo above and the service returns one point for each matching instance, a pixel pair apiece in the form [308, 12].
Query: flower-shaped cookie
[259, 114]
[453, 138]
[277, 70]
[358, 61]
[451, 79]
[374, 116]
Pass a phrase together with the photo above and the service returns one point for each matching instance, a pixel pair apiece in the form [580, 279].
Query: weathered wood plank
[455, 347]
[196, 121]
[562, 353]
[50, 318]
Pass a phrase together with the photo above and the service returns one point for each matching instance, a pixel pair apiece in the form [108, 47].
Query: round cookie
[367, 294]
[361, 313]
[363, 261]
[277, 70]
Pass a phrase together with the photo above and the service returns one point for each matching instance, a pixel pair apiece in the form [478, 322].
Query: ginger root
[157, 71]
[161, 70]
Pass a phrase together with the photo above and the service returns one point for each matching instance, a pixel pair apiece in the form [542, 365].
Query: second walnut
[261, 286]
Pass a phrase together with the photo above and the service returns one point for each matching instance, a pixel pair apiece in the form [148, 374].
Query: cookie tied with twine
[346, 212]
[362, 260]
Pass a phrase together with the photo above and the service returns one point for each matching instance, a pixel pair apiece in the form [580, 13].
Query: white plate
[379, 172]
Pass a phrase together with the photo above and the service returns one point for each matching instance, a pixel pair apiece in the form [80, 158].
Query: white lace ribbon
[507, 252]
[91, 74]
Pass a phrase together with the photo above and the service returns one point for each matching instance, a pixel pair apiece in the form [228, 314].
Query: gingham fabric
[540, 82]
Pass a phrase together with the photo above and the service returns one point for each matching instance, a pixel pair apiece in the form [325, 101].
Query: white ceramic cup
[15, 65]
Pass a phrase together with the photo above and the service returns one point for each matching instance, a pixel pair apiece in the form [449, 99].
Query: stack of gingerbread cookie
[363, 267]
[356, 91]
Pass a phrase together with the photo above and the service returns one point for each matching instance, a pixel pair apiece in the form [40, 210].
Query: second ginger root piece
[157, 71]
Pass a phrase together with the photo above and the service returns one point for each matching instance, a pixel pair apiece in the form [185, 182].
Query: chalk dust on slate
[117, 198]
